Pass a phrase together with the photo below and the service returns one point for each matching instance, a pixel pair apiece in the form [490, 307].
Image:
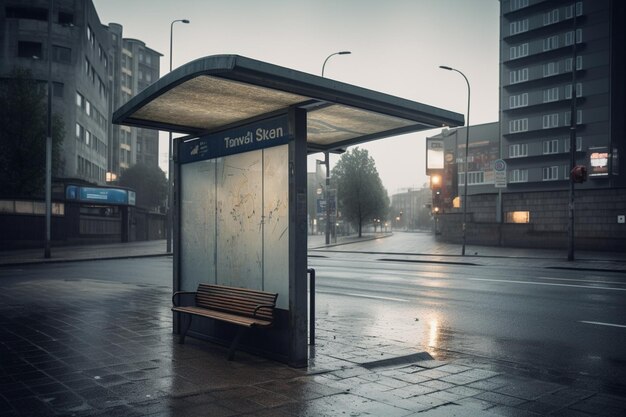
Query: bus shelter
[241, 176]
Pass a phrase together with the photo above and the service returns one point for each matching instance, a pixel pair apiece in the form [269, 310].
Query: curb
[64, 260]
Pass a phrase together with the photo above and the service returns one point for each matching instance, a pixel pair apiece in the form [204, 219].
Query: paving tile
[498, 398]
[438, 385]
[474, 403]
[464, 391]
[453, 368]
[433, 374]
[412, 391]
[529, 389]
[504, 410]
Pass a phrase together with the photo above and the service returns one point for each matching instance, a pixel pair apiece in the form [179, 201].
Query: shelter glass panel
[276, 222]
[197, 220]
[239, 220]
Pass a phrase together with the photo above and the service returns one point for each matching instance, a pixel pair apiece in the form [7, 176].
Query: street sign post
[499, 173]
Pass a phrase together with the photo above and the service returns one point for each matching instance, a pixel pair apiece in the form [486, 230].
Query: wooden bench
[239, 306]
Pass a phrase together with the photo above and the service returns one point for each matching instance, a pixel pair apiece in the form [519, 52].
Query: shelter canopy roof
[218, 92]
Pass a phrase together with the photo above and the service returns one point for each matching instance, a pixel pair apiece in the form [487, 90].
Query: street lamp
[48, 184]
[327, 160]
[328, 57]
[466, 153]
[170, 169]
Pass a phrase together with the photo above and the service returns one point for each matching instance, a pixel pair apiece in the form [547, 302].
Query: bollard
[311, 272]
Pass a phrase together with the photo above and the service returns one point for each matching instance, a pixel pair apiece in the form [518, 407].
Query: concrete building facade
[87, 76]
[546, 48]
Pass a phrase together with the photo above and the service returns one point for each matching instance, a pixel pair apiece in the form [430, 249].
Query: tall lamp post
[327, 161]
[170, 169]
[46, 250]
[466, 155]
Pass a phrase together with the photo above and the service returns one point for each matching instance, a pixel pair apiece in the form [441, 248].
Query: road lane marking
[591, 281]
[548, 283]
[599, 323]
[375, 297]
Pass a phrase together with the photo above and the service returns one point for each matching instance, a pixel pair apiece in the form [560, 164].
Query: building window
[31, 13]
[551, 17]
[519, 26]
[520, 100]
[551, 94]
[27, 49]
[579, 63]
[87, 107]
[519, 76]
[476, 177]
[519, 125]
[550, 120]
[569, 11]
[79, 99]
[519, 175]
[518, 4]
[518, 51]
[550, 146]
[518, 150]
[550, 173]
[80, 132]
[61, 54]
[551, 43]
[579, 90]
[66, 18]
[58, 89]
[568, 117]
[86, 66]
[569, 37]
[518, 217]
[550, 69]
[579, 144]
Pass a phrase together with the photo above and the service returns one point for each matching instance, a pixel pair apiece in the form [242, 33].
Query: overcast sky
[397, 47]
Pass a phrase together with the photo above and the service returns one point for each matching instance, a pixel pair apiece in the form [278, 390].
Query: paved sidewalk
[96, 348]
[88, 347]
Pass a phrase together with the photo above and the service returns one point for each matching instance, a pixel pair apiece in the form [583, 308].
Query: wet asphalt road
[567, 322]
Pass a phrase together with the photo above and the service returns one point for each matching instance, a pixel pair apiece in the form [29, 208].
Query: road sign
[499, 173]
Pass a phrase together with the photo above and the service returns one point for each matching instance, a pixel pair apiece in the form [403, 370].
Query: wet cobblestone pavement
[87, 347]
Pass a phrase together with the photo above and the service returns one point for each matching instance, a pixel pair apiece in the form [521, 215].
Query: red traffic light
[578, 174]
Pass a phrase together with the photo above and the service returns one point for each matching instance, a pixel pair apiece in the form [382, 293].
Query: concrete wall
[596, 226]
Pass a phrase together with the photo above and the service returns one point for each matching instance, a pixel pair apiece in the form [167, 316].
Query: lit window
[518, 217]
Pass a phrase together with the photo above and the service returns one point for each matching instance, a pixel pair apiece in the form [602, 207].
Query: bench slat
[231, 318]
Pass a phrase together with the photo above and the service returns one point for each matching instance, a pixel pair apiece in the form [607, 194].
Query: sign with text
[499, 173]
[258, 135]
[434, 155]
[100, 195]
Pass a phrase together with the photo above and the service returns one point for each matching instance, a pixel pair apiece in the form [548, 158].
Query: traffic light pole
[572, 144]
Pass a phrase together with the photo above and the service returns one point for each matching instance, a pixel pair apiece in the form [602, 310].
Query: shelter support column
[298, 239]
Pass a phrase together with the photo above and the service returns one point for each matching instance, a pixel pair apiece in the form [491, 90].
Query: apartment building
[558, 58]
[94, 70]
